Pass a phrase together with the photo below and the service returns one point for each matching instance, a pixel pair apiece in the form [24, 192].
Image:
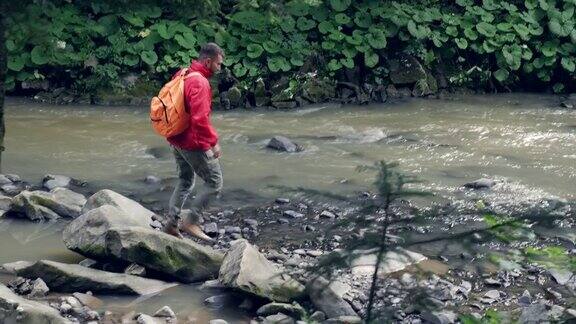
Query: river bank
[470, 274]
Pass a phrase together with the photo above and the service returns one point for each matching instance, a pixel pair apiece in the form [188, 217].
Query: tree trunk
[3, 70]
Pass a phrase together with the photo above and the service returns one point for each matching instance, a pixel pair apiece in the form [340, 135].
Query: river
[525, 141]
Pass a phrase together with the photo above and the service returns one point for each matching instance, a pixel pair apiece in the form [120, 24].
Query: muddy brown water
[524, 140]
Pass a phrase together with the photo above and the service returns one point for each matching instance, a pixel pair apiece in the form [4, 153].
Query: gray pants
[188, 164]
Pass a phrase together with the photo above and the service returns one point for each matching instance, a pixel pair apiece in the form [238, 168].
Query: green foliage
[482, 41]
[551, 257]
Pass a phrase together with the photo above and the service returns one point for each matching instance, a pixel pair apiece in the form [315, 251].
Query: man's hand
[217, 152]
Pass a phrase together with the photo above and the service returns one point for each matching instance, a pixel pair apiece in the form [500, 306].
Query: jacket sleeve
[199, 97]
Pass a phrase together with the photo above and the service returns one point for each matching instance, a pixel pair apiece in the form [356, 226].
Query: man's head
[211, 56]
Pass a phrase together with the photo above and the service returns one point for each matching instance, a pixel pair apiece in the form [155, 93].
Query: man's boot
[171, 228]
[196, 231]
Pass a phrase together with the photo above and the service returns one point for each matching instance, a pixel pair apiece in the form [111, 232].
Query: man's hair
[210, 50]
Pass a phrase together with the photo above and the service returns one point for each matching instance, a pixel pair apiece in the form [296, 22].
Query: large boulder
[246, 269]
[260, 96]
[51, 181]
[15, 309]
[41, 205]
[406, 70]
[107, 233]
[283, 144]
[364, 261]
[73, 277]
[108, 197]
[327, 300]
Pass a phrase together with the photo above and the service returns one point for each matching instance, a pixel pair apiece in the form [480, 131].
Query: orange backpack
[167, 110]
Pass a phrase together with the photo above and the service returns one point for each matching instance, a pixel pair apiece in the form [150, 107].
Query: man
[196, 150]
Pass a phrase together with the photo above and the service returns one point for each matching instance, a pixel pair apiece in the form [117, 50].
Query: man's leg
[181, 191]
[207, 168]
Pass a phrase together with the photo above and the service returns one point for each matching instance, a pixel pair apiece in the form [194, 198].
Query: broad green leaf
[239, 70]
[371, 59]
[470, 34]
[347, 62]
[325, 27]
[250, 19]
[377, 39]
[334, 65]
[296, 61]
[328, 45]
[568, 64]
[340, 5]
[363, 19]
[342, 19]
[271, 47]
[462, 43]
[501, 75]
[486, 29]
[16, 63]
[336, 36]
[278, 63]
[558, 87]
[288, 24]
[133, 19]
[39, 55]
[10, 45]
[549, 48]
[131, 60]
[254, 50]
[149, 57]
[305, 24]
[186, 40]
[298, 8]
[452, 31]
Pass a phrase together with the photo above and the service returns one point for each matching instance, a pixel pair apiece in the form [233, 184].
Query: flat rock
[130, 207]
[106, 233]
[534, 314]
[281, 143]
[393, 261]
[293, 214]
[293, 310]
[343, 320]
[88, 300]
[15, 309]
[327, 300]
[4, 180]
[483, 183]
[14, 267]
[561, 276]
[5, 202]
[73, 277]
[39, 288]
[41, 205]
[165, 312]
[440, 317]
[278, 319]
[246, 269]
[51, 181]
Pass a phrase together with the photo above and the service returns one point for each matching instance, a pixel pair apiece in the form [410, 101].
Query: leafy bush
[90, 45]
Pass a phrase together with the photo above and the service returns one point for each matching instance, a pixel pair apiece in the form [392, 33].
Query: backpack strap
[193, 73]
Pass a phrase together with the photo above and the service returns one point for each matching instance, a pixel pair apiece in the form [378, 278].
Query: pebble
[165, 312]
[232, 229]
[211, 228]
[152, 179]
[314, 253]
[308, 228]
[39, 288]
[218, 321]
[156, 224]
[492, 282]
[300, 251]
[327, 214]
[282, 200]
[251, 222]
[293, 214]
[525, 299]
[283, 221]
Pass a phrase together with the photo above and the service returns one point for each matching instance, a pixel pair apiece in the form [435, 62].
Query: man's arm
[199, 96]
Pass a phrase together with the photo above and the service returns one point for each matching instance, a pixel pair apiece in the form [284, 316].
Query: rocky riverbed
[461, 259]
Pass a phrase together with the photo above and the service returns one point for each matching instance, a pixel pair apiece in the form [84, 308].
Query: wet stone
[211, 228]
[293, 214]
[283, 221]
[327, 214]
[525, 299]
[165, 312]
[251, 222]
[282, 200]
[39, 288]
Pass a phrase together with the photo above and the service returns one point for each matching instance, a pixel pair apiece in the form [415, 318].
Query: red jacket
[200, 135]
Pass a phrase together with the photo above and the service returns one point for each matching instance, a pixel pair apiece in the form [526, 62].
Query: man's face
[214, 64]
